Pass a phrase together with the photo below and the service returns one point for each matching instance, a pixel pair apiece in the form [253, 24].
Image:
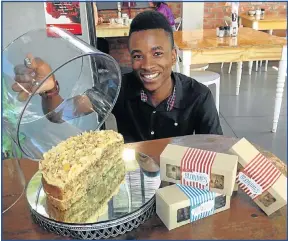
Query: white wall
[193, 13]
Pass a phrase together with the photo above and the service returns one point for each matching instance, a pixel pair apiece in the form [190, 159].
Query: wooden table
[269, 22]
[244, 220]
[203, 46]
[112, 30]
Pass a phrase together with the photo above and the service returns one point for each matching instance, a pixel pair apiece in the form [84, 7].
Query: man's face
[152, 57]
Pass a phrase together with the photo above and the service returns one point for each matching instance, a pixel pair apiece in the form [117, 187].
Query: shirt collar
[170, 101]
[174, 101]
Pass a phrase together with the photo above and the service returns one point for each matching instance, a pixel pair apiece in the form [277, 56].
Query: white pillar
[195, 9]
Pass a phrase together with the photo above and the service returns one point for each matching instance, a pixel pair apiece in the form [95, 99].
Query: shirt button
[154, 112]
[175, 124]
[152, 132]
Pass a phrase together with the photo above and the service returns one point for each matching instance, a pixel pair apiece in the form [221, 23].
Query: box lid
[172, 195]
[245, 151]
[174, 154]
[177, 193]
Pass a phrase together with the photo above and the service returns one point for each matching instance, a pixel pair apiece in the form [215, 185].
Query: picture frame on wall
[65, 15]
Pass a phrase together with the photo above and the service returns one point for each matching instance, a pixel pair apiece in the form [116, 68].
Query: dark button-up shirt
[190, 109]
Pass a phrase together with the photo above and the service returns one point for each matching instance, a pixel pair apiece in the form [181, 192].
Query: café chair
[193, 67]
[199, 67]
[178, 22]
[228, 21]
[208, 78]
[250, 63]
[204, 77]
[270, 31]
[230, 66]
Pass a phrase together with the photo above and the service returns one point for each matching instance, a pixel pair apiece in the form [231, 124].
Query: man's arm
[57, 110]
[208, 121]
[27, 80]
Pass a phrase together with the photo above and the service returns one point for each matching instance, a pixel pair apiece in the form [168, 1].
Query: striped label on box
[196, 167]
[258, 176]
[202, 202]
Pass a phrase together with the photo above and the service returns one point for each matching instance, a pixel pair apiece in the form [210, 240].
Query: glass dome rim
[93, 52]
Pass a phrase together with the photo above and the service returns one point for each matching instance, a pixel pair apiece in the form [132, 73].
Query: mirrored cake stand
[132, 206]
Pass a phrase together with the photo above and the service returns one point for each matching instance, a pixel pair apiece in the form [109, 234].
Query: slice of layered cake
[81, 166]
[89, 207]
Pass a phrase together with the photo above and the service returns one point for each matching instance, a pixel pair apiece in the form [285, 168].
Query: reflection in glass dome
[84, 75]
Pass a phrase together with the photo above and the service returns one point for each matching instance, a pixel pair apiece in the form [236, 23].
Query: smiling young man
[157, 102]
[153, 102]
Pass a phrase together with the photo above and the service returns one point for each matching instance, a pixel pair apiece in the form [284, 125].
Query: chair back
[178, 22]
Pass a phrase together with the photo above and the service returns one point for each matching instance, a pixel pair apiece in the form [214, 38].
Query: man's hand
[29, 75]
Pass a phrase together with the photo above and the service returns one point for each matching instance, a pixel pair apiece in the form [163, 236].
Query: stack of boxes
[204, 182]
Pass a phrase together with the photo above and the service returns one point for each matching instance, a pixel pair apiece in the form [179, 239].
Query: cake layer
[100, 185]
[71, 165]
[69, 158]
[93, 204]
[88, 179]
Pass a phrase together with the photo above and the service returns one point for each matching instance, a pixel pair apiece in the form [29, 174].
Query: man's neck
[162, 93]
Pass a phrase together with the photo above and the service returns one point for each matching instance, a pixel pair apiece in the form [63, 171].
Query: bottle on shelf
[234, 18]
[119, 9]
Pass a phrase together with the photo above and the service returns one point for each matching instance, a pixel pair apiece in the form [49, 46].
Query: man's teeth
[151, 76]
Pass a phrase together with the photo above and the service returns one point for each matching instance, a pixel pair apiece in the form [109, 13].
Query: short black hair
[151, 19]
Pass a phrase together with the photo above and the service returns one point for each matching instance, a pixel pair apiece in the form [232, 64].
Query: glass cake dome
[79, 69]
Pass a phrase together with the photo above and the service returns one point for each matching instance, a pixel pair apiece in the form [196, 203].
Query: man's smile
[149, 77]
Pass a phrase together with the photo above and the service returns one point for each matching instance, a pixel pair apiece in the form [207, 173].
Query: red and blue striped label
[196, 167]
[257, 176]
[202, 202]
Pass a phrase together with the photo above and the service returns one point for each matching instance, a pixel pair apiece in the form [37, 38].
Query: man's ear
[174, 56]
